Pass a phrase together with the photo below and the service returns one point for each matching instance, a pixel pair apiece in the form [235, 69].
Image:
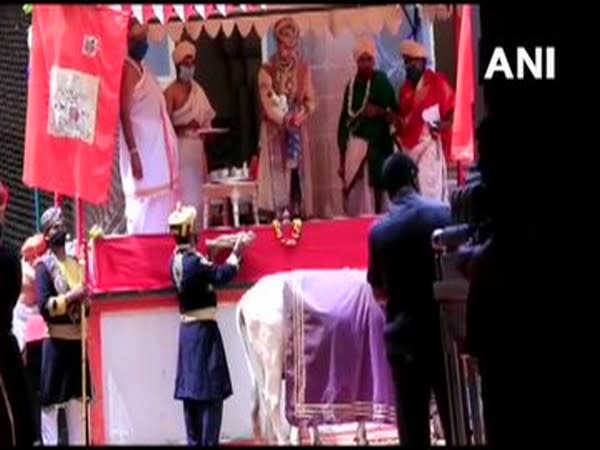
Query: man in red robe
[426, 103]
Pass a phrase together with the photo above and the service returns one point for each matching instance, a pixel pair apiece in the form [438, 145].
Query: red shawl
[433, 88]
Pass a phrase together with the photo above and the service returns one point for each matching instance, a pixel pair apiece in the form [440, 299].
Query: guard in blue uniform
[202, 381]
[60, 291]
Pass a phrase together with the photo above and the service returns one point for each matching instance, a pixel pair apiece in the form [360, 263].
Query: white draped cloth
[26, 307]
[192, 157]
[360, 196]
[428, 154]
[149, 201]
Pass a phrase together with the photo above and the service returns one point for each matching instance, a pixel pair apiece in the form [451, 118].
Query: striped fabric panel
[163, 13]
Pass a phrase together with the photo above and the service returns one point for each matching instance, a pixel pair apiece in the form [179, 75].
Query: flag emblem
[90, 46]
[73, 104]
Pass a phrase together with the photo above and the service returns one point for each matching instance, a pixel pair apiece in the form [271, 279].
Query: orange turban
[34, 246]
[182, 51]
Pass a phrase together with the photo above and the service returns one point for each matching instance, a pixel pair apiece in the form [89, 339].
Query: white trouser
[73, 413]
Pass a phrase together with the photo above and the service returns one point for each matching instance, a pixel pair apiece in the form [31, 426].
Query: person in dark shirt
[202, 382]
[17, 425]
[401, 272]
[487, 339]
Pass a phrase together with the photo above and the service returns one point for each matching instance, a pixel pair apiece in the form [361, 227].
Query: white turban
[182, 51]
[364, 45]
[412, 49]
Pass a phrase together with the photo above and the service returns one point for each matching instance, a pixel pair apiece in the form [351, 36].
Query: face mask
[366, 71]
[59, 239]
[138, 51]
[413, 74]
[186, 73]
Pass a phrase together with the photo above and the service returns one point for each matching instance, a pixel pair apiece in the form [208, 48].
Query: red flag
[462, 127]
[77, 58]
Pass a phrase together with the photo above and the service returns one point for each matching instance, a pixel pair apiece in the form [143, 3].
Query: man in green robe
[364, 135]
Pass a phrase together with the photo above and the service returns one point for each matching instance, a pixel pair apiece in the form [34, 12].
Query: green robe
[375, 131]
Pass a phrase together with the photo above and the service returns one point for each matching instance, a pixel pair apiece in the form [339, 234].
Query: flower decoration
[294, 236]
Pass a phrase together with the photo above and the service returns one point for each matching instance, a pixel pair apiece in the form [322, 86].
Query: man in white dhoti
[190, 110]
[147, 144]
[426, 110]
[364, 136]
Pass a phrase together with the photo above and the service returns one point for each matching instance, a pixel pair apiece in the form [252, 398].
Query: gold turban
[364, 45]
[182, 50]
[412, 49]
[182, 220]
[286, 31]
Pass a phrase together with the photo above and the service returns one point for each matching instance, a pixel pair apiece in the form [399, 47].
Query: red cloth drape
[435, 89]
[77, 57]
[462, 145]
[141, 263]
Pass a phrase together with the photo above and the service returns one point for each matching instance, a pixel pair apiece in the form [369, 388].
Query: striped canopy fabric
[214, 18]
[163, 13]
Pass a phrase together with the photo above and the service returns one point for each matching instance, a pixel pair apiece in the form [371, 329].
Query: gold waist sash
[68, 332]
[200, 315]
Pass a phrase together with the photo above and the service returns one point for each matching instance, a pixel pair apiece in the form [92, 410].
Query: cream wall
[139, 355]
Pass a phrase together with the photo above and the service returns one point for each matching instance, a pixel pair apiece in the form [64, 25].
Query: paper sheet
[431, 114]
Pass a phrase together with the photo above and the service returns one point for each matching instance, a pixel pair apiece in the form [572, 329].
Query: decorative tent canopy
[318, 18]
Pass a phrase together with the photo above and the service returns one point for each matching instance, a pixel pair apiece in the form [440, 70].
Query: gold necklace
[355, 114]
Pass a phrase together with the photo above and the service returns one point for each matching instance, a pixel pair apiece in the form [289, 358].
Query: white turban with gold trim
[287, 31]
[182, 50]
[413, 49]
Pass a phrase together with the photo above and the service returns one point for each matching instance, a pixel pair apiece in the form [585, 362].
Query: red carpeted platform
[141, 263]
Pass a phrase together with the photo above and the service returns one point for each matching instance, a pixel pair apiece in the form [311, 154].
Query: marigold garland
[296, 232]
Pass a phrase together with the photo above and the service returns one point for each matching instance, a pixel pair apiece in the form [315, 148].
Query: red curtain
[462, 148]
[77, 57]
[141, 263]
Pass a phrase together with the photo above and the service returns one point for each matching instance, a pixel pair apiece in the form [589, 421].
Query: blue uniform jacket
[202, 372]
[402, 264]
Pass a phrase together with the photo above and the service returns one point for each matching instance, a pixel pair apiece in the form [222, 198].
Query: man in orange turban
[190, 110]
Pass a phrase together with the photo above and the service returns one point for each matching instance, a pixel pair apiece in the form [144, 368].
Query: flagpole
[82, 244]
[38, 209]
